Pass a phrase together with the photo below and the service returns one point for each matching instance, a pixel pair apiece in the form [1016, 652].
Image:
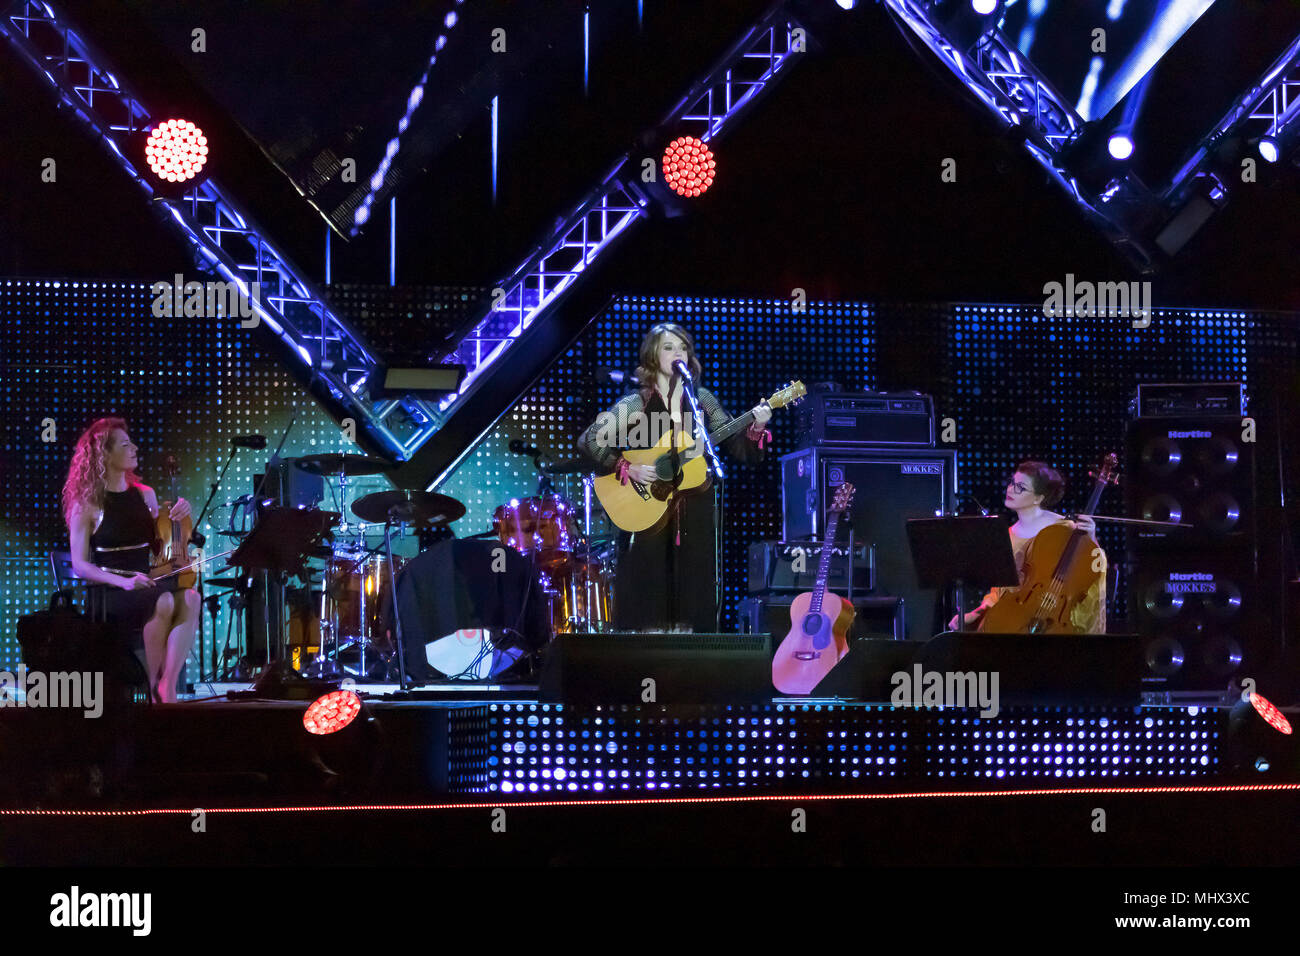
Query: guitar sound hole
[811, 624]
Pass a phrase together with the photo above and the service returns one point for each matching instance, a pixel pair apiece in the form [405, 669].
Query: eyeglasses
[1020, 489]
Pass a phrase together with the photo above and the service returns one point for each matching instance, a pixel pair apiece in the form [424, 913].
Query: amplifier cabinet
[898, 419]
[892, 485]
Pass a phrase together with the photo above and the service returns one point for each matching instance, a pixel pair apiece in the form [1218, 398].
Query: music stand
[279, 544]
[962, 551]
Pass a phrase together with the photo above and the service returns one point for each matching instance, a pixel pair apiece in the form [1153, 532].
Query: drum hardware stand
[397, 615]
[279, 545]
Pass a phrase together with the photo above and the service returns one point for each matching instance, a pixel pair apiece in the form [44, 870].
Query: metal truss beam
[336, 356]
[1270, 107]
[1022, 100]
[740, 76]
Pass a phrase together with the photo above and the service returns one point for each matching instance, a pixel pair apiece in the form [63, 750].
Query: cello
[1060, 568]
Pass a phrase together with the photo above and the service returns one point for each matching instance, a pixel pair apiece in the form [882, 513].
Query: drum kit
[344, 618]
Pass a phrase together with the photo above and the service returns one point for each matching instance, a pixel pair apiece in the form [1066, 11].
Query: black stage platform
[588, 783]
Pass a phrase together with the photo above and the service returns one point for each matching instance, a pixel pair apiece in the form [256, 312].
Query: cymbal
[341, 464]
[413, 506]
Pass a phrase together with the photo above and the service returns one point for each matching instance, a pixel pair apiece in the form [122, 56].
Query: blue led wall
[526, 749]
[1015, 384]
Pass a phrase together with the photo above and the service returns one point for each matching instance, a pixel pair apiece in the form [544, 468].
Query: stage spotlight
[984, 7]
[332, 712]
[1269, 149]
[176, 150]
[1259, 736]
[1120, 146]
[847, 4]
[688, 166]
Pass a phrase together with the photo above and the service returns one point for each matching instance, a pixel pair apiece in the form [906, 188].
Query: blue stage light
[984, 7]
[847, 4]
[1268, 149]
[1120, 146]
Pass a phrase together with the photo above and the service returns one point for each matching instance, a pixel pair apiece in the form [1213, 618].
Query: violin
[1058, 573]
[171, 546]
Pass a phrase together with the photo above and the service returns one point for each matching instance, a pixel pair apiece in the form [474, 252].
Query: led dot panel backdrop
[525, 749]
[1014, 384]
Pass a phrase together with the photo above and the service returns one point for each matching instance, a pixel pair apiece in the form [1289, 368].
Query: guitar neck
[734, 427]
[824, 565]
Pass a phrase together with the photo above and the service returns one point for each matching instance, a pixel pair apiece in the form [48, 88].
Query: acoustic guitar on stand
[636, 507]
[819, 621]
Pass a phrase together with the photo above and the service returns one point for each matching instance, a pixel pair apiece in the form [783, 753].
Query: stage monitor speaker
[638, 668]
[893, 485]
[1055, 669]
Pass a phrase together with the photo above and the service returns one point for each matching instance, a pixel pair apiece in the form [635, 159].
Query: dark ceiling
[831, 184]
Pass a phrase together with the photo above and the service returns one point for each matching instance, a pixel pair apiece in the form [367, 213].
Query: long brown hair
[88, 473]
[647, 369]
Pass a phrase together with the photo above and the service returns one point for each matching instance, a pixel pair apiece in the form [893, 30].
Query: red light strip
[667, 801]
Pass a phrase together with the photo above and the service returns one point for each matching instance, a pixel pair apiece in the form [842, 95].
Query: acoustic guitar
[819, 621]
[637, 507]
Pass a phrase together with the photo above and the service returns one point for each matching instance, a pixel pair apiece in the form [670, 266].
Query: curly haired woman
[110, 515]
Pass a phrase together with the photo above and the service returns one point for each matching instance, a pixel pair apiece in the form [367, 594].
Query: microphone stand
[714, 464]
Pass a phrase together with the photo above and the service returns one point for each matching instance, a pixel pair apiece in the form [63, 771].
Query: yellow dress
[1089, 616]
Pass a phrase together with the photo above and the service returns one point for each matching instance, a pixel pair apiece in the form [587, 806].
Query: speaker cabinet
[1197, 617]
[892, 485]
[1193, 472]
[1194, 593]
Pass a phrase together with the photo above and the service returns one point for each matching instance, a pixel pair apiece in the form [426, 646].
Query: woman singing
[110, 515]
[1030, 491]
[666, 578]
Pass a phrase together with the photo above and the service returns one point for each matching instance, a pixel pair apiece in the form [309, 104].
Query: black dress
[122, 542]
[667, 578]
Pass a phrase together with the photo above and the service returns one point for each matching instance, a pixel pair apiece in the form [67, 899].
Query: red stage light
[176, 150]
[332, 712]
[688, 166]
[1277, 720]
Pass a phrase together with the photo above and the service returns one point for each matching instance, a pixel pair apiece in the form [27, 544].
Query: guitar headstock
[843, 497]
[788, 395]
[1108, 473]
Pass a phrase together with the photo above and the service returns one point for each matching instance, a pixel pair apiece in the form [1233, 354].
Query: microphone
[256, 442]
[682, 370]
[520, 447]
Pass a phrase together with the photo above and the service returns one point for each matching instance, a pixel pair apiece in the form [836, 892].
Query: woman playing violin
[110, 515]
[1031, 491]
